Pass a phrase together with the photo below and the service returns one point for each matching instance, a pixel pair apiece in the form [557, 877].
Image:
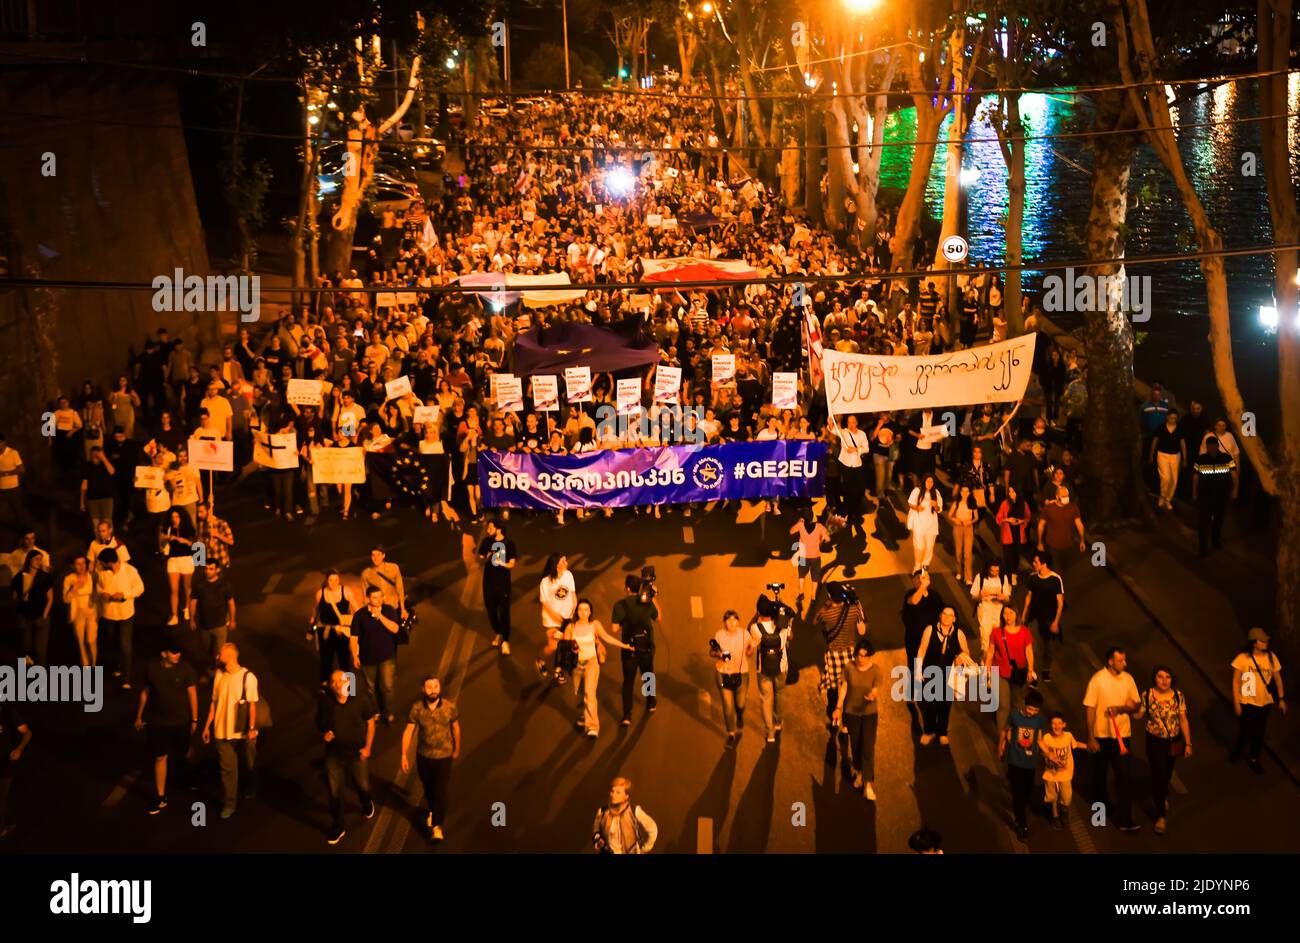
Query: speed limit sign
[955, 248]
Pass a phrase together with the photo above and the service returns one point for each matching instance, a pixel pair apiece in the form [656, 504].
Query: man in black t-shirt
[922, 605]
[1043, 605]
[169, 708]
[212, 617]
[634, 620]
[497, 551]
[347, 725]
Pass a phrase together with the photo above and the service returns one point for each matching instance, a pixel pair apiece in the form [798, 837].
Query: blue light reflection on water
[1057, 195]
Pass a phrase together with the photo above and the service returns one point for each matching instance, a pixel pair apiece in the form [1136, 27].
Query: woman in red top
[1011, 653]
[1013, 520]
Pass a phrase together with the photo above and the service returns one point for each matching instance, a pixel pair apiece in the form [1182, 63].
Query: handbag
[1271, 687]
[731, 682]
[242, 709]
[404, 627]
[1018, 675]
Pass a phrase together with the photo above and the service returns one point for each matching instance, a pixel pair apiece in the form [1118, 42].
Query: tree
[629, 25]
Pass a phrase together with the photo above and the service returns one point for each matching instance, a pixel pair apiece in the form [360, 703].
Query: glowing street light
[450, 63]
[1268, 316]
[968, 176]
[706, 8]
[619, 181]
[860, 6]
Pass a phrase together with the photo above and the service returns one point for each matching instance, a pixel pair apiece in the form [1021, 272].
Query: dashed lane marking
[697, 607]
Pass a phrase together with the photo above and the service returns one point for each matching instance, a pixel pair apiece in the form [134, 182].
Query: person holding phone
[858, 711]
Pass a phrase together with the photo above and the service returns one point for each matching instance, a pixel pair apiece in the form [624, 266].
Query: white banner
[785, 390]
[629, 396]
[577, 383]
[867, 383]
[338, 466]
[510, 393]
[276, 450]
[304, 392]
[668, 384]
[212, 454]
[724, 367]
[396, 389]
[546, 393]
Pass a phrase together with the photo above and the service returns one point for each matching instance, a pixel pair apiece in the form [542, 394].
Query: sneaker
[496, 641]
[593, 734]
[1045, 676]
[505, 648]
[857, 781]
[944, 740]
[1130, 828]
[771, 738]
[731, 739]
[159, 803]
[870, 793]
[334, 836]
[368, 810]
[437, 833]
[927, 739]
[227, 812]
[1022, 833]
[625, 722]
[541, 669]
[1160, 826]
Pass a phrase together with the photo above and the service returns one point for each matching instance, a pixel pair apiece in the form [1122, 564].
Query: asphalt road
[528, 782]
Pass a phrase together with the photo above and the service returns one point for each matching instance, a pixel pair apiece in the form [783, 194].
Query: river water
[1173, 345]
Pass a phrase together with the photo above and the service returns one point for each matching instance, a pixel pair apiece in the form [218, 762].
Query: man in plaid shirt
[843, 623]
[216, 537]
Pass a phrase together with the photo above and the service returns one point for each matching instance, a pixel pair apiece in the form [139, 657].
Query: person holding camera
[633, 620]
[622, 828]
[588, 638]
[771, 633]
[730, 649]
[843, 622]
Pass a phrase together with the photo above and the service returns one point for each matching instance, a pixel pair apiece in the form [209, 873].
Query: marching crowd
[570, 186]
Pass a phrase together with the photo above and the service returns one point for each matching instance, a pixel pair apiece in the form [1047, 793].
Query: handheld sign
[546, 394]
[785, 390]
[396, 389]
[629, 396]
[304, 392]
[668, 384]
[724, 367]
[577, 383]
[150, 477]
[510, 393]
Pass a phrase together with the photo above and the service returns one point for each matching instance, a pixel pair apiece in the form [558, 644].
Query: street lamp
[968, 176]
[860, 6]
[706, 8]
[1268, 316]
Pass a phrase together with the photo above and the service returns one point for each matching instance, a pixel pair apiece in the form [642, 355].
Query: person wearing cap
[1256, 687]
[168, 712]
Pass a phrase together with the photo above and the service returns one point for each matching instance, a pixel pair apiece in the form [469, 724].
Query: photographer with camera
[843, 622]
[730, 649]
[633, 620]
[771, 633]
[622, 828]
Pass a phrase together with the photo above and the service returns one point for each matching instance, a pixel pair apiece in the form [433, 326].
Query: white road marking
[697, 607]
[120, 790]
[688, 534]
[704, 836]
[271, 583]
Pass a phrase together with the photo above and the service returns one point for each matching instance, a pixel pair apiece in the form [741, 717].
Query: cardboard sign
[672, 171]
[670, 223]
[304, 392]
[546, 394]
[785, 390]
[338, 466]
[529, 216]
[396, 389]
[277, 450]
[510, 393]
[629, 396]
[385, 299]
[150, 477]
[724, 367]
[577, 383]
[668, 384]
[653, 220]
[425, 415]
[408, 297]
[212, 454]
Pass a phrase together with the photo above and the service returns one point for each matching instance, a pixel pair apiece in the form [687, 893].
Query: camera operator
[771, 633]
[842, 622]
[633, 620]
[730, 649]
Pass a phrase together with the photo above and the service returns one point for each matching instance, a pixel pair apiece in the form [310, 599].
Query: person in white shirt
[1227, 443]
[991, 591]
[590, 638]
[236, 747]
[117, 586]
[559, 599]
[620, 827]
[104, 539]
[770, 433]
[11, 496]
[924, 506]
[1111, 698]
[854, 446]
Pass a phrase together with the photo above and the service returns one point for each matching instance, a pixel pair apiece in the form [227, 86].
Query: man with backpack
[622, 828]
[771, 630]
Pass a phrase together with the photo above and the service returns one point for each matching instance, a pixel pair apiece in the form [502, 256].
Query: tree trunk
[907, 228]
[950, 224]
[812, 165]
[1113, 474]
[687, 46]
[1015, 221]
[306, 184]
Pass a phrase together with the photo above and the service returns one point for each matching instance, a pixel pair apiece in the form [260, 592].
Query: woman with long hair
[1010, 653]
[1169, 735]
[33, 596]
[122, 404]
[83, 616]
[558, 598]
[331, 621]
[925, 503]
[963, 514]
[1013, 526]
[857, 714]
[588, 636]
[176, 538]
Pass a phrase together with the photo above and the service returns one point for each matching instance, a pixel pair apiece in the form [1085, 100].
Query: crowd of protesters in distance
[537, 195]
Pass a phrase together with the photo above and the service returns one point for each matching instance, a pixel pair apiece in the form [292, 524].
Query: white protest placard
[869, 383]
[408, 297]
[546, 393]
[668, 384]
[385, 299]
[304, 392]
[600, 208]
[425, 415]
[629, 396]
[670, 223]
[276, 450]
[932, 434]
[577, 383]
[653, 220]
[785, 390]
[672, 171]
[724, 367]
[338, 466]
[510, 393]
[212, 454]
[396, 389]
[528, 216]
[150, 476]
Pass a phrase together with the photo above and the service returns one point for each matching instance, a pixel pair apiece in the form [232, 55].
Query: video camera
[776, 587]
[716, 649]
[646, 591]
[841, 592]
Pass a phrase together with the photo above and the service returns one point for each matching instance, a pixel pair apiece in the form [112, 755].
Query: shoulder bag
[242, 711]
[1019, 675]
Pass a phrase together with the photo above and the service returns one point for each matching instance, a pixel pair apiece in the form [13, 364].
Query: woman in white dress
[79, 594]
[925, 504]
